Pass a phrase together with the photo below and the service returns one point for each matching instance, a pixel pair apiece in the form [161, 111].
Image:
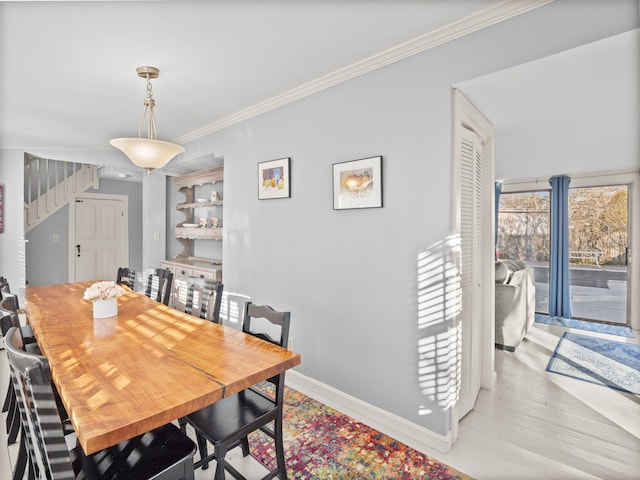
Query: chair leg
[282, 468]
[202, 448]
[220, 454]
[244, 443]
[182, 421]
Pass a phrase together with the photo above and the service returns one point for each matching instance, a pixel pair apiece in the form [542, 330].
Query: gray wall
[12, 244]
[48, 260]
[154, 225]
[349, 277]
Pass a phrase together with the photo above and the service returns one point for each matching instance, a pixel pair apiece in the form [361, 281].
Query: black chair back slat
[125, 276]
[155, 283]
[158, 284]
[204, 298]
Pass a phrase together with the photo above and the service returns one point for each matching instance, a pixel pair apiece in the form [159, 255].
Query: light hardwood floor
[532, 425]
[540, 425]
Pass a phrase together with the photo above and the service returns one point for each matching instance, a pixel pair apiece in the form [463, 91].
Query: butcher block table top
[122, 376]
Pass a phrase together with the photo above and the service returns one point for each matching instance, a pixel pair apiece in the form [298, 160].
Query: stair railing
[50, 184]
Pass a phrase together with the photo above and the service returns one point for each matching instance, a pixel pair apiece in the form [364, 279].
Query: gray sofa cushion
[502, 273]
[506, 268]
[515, 265]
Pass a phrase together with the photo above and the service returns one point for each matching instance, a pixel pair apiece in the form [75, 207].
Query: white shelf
[199, 233]
[185, 206]
[188, 184]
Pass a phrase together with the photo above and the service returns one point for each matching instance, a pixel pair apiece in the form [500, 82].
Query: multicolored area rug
[618, 330]
[598, 360]
[322, 443]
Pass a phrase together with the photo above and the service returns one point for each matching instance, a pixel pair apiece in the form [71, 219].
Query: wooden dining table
[122, 376]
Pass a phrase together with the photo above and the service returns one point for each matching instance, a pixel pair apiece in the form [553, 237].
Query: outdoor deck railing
[585, 255]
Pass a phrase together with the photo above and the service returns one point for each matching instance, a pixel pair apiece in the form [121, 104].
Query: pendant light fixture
[148, 153]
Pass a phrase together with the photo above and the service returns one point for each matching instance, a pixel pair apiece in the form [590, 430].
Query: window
[523, 234]
[599, 238]
[598, 253]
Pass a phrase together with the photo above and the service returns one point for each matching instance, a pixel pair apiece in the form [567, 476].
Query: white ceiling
[577, 106]
[68, 80]
[67, 69]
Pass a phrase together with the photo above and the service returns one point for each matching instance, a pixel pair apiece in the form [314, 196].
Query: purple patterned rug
[322, 443]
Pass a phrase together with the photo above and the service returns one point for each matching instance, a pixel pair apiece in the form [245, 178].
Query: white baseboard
[409, 433]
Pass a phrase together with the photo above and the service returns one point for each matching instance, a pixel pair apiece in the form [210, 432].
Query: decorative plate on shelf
[202, 200]
[190, 225]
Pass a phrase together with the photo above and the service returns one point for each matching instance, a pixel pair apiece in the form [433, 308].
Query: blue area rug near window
[618, 330]
[598, 360]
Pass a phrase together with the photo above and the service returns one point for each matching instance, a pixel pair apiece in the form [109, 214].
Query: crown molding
[472, 23]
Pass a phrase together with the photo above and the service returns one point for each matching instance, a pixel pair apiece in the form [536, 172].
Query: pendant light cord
[149, 103]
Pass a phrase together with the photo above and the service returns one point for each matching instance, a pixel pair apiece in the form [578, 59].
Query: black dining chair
[10, 406]
[232, 310]
[155, 283]
[126, 276]
[5, 292]
[13, 420]
[9, 317]
[9, 302]
[204, 298]
[164, 453]
[158, 284]
[226, 423]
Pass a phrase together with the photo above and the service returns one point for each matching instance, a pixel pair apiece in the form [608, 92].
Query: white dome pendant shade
[148, 153]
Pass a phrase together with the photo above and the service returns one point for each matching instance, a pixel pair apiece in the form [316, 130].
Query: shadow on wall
[439, 344]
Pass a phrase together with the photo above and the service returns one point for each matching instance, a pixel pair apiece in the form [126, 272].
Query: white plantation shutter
[470, 191]
[478, 209]
[470, 207]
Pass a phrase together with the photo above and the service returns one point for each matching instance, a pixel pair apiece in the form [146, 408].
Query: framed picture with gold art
[357, 184]
[274, 180]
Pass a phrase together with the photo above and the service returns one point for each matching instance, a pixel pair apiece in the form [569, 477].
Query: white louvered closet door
[471, 231]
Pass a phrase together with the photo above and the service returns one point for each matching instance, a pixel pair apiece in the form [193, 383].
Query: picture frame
[357, 184]
[274, 179]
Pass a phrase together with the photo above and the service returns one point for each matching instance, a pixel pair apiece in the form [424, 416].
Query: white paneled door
[101, 238]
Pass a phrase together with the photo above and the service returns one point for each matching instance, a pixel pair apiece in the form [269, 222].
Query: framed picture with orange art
[274, 180]
[357, 184]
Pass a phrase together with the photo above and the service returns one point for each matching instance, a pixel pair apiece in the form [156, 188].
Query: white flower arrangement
[103, 291]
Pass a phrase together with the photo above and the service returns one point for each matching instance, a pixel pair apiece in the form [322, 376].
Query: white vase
[105, 308]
